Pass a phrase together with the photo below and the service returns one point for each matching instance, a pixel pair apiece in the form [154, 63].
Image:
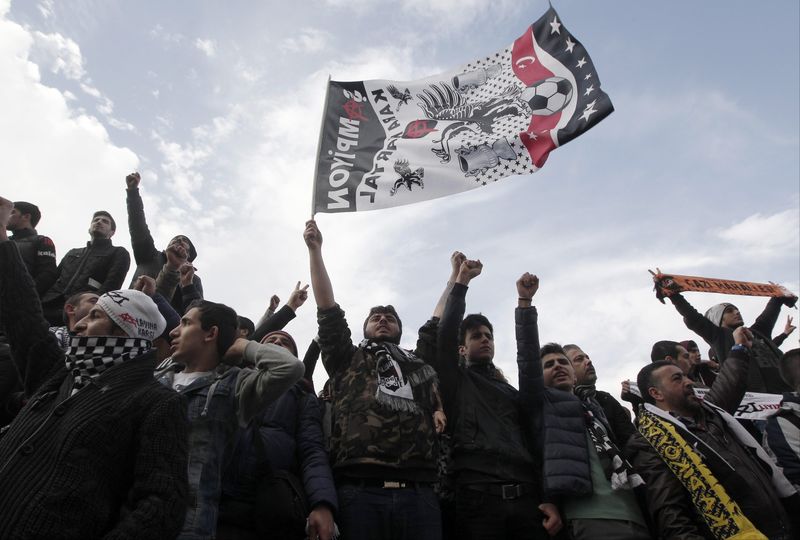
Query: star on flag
[555, 26]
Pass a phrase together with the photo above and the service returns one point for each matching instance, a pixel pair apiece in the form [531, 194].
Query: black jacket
[291, 435]
[149, 260]
[491, 422]
[107, 462]
[99, 267]
[39, 254]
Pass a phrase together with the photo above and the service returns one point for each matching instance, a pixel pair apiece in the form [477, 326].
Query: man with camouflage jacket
[383, 445]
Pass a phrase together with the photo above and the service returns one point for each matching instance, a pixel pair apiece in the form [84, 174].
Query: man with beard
[585, 385]
[706, 476]
[99, 267]
[383, 442]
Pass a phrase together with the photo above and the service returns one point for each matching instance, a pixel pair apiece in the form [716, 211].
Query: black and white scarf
[89, 356]
[620, 473]
[404, 381]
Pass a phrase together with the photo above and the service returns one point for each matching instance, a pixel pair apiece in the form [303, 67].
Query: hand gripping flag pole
[388, 143]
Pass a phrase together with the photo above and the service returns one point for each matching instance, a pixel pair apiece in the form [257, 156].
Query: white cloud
[307, 40]
[206, 46]
[63, 159]
[59, 53]
[46, 8]
[775, 234]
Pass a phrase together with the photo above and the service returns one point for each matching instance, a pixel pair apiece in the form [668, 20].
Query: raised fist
[132, 180]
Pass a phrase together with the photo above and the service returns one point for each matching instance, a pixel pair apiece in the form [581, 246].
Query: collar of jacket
[99, 242]
[19, 234]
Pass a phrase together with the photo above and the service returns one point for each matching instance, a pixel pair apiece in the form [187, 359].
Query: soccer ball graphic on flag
[548, 96]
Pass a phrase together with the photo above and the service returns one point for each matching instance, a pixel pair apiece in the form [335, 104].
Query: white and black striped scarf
[404, 381]
[89, 356]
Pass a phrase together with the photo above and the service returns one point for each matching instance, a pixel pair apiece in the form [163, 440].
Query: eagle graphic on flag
[389, 143]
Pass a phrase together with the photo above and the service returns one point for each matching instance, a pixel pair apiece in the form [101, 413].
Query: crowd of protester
[151, 412]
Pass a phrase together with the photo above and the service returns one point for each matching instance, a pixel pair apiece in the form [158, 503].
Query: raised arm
[531, 381]
[274, 301]
[446, 360]
[730, 385]
[455, 264]
[335, 341]
[282, 317]
[144, 248]
[693, 320]
[428, 336]
[34, 350]
[320, 281]
[276, 370]
[787, 330]
[766, 321]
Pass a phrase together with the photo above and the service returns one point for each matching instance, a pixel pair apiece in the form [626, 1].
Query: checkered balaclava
[137, 315]
[89, 356]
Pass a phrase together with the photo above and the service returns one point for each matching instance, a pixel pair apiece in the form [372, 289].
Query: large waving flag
[389, 143]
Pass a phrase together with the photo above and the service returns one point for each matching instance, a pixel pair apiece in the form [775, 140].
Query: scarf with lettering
[89, 356]
[723, 516]
[404, 381]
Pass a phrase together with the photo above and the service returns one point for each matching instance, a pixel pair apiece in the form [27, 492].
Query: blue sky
[218, 105]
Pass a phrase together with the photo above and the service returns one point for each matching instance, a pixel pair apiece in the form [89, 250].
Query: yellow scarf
[722, 515]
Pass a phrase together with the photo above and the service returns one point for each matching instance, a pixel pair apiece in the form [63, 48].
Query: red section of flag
[529, 69]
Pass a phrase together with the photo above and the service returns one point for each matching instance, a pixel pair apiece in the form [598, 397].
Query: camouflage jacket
[368, 439]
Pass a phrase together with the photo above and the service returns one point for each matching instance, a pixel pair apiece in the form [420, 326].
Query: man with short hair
[38, 252]
[99, 267]
[583, 459]
[76, 308]
[99, 450]
[701, 371]
[717, 327]
[383, 445]
[585, 385]
[706, 476]
[222, 398]
[496, 453]
[150, 261]
[672, 352]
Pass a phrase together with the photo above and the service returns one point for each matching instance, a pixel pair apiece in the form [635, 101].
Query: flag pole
[319, 147]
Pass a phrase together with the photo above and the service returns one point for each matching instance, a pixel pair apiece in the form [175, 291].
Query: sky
[218, 105]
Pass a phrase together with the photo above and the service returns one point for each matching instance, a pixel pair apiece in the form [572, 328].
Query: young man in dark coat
[100, 448]
[150, 261]
[496, 452]
[38, 251]
[99, 267]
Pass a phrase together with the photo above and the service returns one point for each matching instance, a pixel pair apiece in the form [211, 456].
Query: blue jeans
[375, 513]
